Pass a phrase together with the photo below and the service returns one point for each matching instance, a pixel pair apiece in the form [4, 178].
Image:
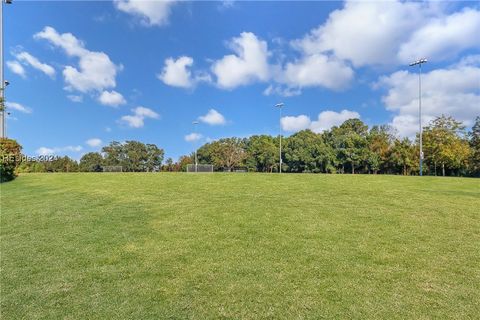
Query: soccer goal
[112, 169]
[200, 168]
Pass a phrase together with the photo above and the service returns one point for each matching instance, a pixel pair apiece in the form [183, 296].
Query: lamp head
[419, 61]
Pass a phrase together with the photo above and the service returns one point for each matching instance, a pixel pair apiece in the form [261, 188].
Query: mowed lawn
[239, 246]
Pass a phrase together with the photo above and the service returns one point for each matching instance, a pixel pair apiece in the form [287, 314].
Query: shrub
[9, 158]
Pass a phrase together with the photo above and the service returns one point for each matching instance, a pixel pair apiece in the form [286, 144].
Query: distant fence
[200, 168]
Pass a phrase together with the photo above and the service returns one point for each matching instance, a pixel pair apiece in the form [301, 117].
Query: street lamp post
[419, 63]
[5, 113]
[280, 106]
[3, 133]
[196, 159]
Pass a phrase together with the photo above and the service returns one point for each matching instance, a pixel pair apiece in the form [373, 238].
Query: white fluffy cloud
[176, 73]
[192, 137]
[28, 59]
[328, 119]
[325, 121]
[366, 33]
[66, 41]
[145, 112]
[111, 98]
[295, 123]
[133, 121]
[45, 151]
[18, 107]
[213, 117]
[453, 91]
[374, 33]
[284, 91]
[136, 120]
[443, 37]
[150, 13]
[94, 142]
[95, 71]
[393, 32]
[16, 68]
[318, 70]
[249, 63]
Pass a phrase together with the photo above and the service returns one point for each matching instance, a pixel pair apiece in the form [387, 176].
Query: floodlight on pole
[280, 106]
[3, 133]
[419, 63]
[196, 159]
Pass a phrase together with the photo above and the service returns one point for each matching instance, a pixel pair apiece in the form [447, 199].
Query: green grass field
[239, 246]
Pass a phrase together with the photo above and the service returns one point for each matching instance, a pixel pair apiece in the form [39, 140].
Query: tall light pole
[3, 133]
[280, 106]
[196, 159]
[419, 63]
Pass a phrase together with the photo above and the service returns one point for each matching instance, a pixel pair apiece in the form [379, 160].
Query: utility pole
[280, 106]
[419, 63]
[2, 82]
[3, 131]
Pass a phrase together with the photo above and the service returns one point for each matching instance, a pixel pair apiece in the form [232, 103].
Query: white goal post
[200, 168]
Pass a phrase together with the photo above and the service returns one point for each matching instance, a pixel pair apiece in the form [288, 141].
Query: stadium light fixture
[196, 159]
[419, 64]
[280, 106]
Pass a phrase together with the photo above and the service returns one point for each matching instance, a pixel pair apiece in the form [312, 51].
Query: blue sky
[85, 73]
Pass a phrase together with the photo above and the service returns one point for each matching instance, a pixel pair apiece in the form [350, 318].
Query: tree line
[352, 147]
[131, 156]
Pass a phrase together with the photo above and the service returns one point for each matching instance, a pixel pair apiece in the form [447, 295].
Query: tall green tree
[91, 162]
[306, 151]
[261, 153]
[169, 165]
[474, 141]
[113, 154]
[205, 153]
[445, 144]
[380, 140]
[228, 153]
[403, 155]
[154, 158]
[183, 162]
[350, 143]
[61, 164]
[133, 156]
